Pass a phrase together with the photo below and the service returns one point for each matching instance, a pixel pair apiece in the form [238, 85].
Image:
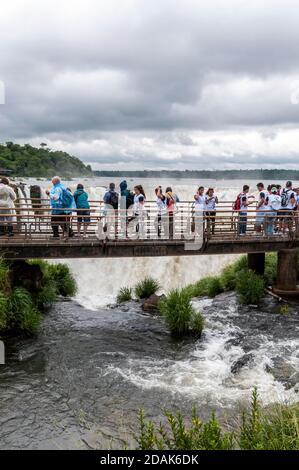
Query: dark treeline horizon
[258, 174]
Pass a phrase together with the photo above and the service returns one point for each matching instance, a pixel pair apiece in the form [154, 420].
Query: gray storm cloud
[168, 84]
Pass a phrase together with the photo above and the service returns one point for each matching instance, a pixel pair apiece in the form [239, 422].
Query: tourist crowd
[273, 209]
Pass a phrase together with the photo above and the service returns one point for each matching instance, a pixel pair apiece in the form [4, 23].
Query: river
[81, 381]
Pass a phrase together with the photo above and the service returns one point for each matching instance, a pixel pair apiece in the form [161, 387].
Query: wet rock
[242, 362]
[151, 304]
[283, 372]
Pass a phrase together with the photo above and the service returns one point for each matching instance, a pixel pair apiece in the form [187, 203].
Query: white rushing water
[206, 374]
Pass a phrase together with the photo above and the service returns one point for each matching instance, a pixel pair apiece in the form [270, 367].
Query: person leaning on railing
[210, 209]
[7, 206]
[58, 195]
[83, 213]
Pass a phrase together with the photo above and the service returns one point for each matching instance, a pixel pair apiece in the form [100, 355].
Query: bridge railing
[34, 222]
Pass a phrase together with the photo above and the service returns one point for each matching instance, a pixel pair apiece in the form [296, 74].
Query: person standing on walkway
[126, 203]
[161, 209]
[261, 207]
[274, 203]
[210, 209]
[7, 207]
[288, 206]
[171, 201]
[111, 200]
[61, 199]
[83, 206]
[242, 203]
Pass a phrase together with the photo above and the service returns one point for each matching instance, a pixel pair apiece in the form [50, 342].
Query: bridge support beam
[256, 262]
[287, 273]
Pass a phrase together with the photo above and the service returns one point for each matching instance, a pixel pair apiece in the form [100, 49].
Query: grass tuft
[147, 287]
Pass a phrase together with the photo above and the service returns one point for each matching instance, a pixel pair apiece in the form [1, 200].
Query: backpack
[114, 199]
[35, 196]
[237, 203]
[67, 199]
[284, 198]
[275, 203]
[129, 200]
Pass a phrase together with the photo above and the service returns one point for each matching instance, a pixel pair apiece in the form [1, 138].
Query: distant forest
[25, 160]
[270, 175]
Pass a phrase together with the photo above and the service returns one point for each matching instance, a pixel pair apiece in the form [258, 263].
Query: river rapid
[81, 381]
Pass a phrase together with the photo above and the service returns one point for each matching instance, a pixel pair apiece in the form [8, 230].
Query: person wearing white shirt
[261, 207]
[7, 198]
[210, 209]
[199, 208]
[288, 206]
[161, 209]
[274, 203]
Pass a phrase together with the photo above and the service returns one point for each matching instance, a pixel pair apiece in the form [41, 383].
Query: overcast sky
[153, 83]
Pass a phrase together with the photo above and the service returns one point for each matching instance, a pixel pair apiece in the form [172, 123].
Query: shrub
[208, 286]
[65, 282]
[144, 289]
[196, 324]
[176, 435]
[250, 287]
[4, 283]
[229, 275]
[124, 295]
[23, 316]
[270, 269]
[272, 429]
[3, 311]
[180, 317]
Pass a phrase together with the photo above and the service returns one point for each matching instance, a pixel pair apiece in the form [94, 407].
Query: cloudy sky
[198, 84]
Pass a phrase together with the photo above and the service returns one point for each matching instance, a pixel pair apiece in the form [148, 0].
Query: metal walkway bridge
[120, 234]
[117, 234]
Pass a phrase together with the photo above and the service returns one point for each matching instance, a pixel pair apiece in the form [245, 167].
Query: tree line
[26, 160]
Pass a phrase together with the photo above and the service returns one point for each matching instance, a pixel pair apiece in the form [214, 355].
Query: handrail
[36, 223]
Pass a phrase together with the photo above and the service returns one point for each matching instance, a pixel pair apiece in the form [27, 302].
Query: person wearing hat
[274, 204]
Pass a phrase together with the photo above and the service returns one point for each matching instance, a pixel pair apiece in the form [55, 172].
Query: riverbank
[27, 289]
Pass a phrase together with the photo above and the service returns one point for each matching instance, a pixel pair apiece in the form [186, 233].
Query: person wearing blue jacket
[60, 199]
[59, 195]
[83, 209]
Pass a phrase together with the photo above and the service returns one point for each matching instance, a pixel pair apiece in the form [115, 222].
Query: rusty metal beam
[145, 248]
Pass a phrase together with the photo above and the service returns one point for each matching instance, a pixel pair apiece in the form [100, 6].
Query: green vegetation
[276, 428]
[25, 160]
[250, 287]
[179, 314]
[62, 277]
[23, 315]
[125, 294]
[22, 302]
[145, 288]
[237, 277]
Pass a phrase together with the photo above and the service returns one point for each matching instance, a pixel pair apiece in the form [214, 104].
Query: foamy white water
[206, 375]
